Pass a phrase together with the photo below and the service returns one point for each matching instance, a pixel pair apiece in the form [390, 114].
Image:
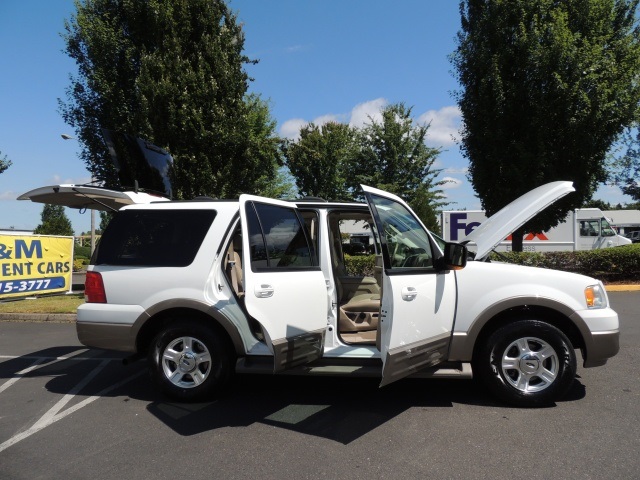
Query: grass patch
[53, 304]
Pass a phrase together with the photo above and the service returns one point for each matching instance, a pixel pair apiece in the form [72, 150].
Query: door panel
[285, 290]
[417, 315]
[418, 303]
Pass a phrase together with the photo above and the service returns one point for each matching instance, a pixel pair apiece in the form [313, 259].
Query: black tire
[189, 361]
[527, 363]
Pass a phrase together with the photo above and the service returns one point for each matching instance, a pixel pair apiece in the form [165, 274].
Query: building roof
[623, 218]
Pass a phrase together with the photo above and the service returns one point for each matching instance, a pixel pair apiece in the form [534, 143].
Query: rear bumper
[107, 335]
[112, 327]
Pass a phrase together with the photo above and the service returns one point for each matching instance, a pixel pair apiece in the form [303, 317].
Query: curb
[38, 317]
[622, 288]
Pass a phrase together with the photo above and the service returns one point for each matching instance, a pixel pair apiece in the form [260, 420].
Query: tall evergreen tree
[547, 87]
[54, 221]
[171, 72]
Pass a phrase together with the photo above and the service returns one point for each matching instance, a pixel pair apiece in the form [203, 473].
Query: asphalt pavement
[75, 413]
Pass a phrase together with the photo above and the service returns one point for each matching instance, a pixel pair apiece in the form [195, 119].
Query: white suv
[207, 288]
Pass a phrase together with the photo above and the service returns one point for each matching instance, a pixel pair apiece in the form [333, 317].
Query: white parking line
[54, 414]
[38, 363]
[53, 411]
[18, 375]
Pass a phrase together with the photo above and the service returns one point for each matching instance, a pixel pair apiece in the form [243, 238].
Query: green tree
[171, 72]
[627, 176]
[4, 163]
[54, 221]
[320, 160]
[393, 156]
[547, 87]
[597, 203]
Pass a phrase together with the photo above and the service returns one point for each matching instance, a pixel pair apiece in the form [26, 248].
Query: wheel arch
[164, 313]
[465, 346]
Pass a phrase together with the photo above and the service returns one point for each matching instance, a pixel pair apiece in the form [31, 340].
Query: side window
[407, 242]
[589, 228]
[154, 238]
[277, 238]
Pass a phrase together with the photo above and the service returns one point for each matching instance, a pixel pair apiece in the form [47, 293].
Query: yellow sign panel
[32, 264]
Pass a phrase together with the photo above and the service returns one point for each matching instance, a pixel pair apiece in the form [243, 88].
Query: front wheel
[190, 361]
[527, 363]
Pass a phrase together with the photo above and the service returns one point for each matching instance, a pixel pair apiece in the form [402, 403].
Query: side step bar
[264, 365]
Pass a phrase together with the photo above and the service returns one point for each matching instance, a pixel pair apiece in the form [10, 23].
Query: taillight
[94, 288]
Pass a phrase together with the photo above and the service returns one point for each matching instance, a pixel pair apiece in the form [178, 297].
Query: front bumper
[601, 334]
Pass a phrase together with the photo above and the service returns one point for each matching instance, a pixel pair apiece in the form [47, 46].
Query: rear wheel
[527, 363]
[190, 361]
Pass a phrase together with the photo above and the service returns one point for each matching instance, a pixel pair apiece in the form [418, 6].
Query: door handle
[409, 293]
[263, 291]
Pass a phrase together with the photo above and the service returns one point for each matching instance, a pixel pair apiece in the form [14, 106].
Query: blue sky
[320, 60]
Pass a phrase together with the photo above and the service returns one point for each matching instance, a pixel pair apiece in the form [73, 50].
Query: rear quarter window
[154, 238]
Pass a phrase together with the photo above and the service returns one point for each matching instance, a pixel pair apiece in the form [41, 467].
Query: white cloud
[364, 112]
[291, 128]
[8, 195]
[452, 182]
[328, 118]
[456, 171]
[444, 125]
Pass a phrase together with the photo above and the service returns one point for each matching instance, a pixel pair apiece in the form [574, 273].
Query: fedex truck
[583, 229]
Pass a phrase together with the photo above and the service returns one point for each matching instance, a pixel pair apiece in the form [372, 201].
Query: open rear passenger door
[285, 289]
[418, 298]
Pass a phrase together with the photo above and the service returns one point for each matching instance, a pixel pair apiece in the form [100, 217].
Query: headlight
[595, 296]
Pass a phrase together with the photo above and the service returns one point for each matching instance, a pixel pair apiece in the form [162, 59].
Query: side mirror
[454, 258]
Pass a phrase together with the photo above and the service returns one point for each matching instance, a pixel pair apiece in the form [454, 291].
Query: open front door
[418, 302]
[285, 289]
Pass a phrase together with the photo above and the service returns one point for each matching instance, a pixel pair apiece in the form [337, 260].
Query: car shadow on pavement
[338, 409]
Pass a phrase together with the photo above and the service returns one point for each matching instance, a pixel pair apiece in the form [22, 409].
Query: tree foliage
[171, 72]
[332, 161]
[547, 87]
[627, 176]
[393, 156]
[54, 221]
[4, 163]
[320, 160]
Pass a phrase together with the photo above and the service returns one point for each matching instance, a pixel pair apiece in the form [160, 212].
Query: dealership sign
[32, 264]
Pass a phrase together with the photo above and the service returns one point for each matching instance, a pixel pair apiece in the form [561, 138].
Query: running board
[372, 368]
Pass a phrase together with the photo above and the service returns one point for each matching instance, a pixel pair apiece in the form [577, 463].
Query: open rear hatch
[143, 171]
[89, 197]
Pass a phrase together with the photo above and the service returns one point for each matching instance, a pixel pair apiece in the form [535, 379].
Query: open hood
[87, 196]
[500, 225]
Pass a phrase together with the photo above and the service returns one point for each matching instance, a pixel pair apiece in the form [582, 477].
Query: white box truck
[583, 229]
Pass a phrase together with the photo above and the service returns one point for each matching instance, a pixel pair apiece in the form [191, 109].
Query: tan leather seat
[233, 265]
